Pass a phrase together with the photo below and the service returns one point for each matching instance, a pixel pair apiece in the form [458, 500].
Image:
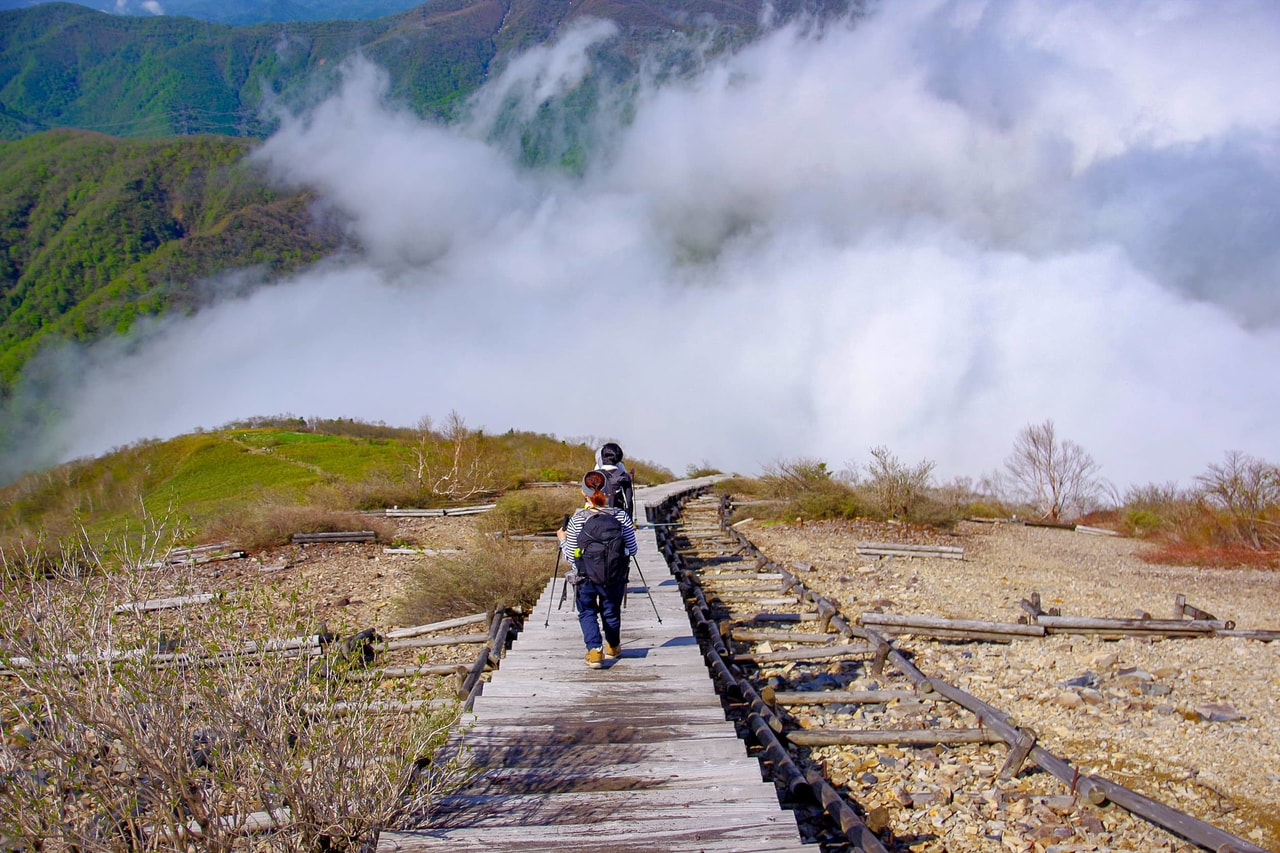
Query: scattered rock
[1212, 712]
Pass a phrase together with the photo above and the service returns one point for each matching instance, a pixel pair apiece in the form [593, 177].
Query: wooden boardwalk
[635, 757]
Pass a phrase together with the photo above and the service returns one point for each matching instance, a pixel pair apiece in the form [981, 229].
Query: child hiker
[598, 543]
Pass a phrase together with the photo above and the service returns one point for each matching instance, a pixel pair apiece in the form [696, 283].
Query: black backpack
[604, 557]
[618, 488]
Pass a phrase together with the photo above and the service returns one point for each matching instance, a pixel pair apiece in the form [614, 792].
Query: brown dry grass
[497, 573]
[271, 525]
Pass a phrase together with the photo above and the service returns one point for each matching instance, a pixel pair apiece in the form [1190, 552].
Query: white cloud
[922, 231]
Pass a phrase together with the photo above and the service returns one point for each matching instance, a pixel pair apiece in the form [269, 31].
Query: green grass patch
[239, 482]
[217, 472]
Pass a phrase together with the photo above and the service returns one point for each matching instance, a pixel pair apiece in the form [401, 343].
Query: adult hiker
[598, 542]
[619, 489]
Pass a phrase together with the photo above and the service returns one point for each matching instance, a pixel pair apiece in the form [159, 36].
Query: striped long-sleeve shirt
[569, 545]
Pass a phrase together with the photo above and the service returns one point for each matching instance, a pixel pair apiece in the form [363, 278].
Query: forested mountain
[124, 183]
[241, 11]
[95, 231]
[67, 65]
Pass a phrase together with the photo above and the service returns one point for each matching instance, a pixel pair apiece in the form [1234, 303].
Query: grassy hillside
[96, 231]
[248, 482]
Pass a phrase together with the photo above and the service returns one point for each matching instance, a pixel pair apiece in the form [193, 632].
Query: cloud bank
[922, 229]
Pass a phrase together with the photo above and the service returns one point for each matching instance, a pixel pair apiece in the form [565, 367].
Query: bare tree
[1246, 490]
[465, 469]
[424, 437]
[1056, 477]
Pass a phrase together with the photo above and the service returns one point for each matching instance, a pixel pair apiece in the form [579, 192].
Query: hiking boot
[611, 651]
[595, 658]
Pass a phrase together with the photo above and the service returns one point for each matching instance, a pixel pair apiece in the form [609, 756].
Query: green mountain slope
[240, 475]
[241, 12]
[68, 65]
[95, 231]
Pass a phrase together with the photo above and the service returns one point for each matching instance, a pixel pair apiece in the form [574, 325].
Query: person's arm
[629, 496]
[628, 531]
[569, 544]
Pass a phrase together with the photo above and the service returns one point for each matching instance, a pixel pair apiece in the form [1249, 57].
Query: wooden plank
[340, 536]
[416, 630]
[880, 737]
[877, 549]
[424, 642]
[908, 621]
[635, 756]
[1085, 624]
[748, 635]
[805, 654]
[847, 697]
[165, 603]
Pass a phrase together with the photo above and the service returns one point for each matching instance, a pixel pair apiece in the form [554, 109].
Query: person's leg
[611, 613]
[589, 597]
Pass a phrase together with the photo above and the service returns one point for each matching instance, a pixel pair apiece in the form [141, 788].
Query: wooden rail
[993, 724]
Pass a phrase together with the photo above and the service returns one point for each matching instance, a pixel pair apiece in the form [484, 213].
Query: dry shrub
[740, 487]
[899, 490]
[108, 745]
[531, 510]
[498, 572]
[1226, 557]
[272, 525]
[377, 491]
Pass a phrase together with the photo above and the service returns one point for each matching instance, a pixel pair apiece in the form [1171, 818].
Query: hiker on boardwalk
[598, 542]
[618, 491]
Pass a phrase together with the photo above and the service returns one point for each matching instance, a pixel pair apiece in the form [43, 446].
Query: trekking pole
[564, 524]
[646, 588]
[554, 575]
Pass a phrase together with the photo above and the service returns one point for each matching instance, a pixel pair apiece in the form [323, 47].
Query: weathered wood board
[637, 756]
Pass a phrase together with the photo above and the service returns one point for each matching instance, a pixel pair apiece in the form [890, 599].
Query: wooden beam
[845, 697]
[340, 536]
[416, 630]
[923, 624]
[881, 737]
[805, 654]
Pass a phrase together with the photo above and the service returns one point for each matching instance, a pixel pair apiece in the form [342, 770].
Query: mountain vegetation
[96, 232]
[259, 481]
[241, 12]
[69, 65]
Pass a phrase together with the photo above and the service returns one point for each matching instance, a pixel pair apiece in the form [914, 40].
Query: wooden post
[1018, 752]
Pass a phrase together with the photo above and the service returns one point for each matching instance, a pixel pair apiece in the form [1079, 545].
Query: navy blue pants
[598, 603]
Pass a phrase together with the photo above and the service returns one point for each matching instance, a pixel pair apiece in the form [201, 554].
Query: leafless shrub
[1055, 477]
[270, 525]
[459, 466]
[1245, 493]
[808, 490]
[147, 732]
[1153, 508]
[965, 498]
[898, 489]
[786, 478]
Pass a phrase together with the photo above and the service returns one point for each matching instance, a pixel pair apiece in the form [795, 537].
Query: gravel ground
[1132, 710]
